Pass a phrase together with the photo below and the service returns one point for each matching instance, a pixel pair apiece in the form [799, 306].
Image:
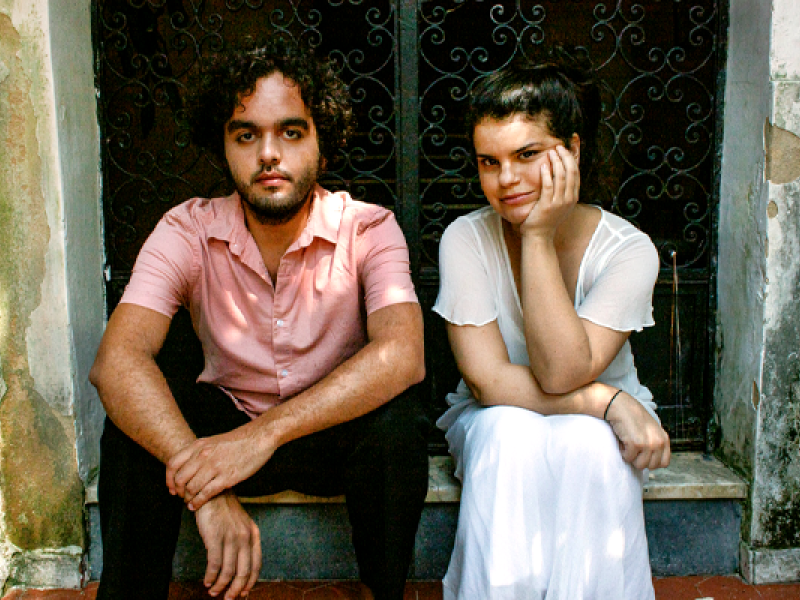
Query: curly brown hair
[229, 76]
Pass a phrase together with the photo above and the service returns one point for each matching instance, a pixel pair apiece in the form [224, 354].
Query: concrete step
[692, 514]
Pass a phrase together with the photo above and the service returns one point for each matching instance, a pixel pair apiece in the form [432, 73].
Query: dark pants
[379, 461]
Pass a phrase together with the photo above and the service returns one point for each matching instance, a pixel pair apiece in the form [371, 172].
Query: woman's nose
[508, 175]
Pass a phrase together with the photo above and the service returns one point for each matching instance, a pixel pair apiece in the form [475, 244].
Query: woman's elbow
[481, 393]
[561, 383]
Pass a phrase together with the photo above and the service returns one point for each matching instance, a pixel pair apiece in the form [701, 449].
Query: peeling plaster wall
[79, 143]
[743, 232]
[41, 495]
[776, 495]
[758, 378]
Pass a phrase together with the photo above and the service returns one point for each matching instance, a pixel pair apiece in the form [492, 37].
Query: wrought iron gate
[409, 65]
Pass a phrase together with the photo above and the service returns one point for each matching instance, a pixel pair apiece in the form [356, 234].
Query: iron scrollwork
[657, 62]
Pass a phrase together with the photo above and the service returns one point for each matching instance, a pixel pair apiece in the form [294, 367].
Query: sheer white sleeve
[617, 291]
[465, 290]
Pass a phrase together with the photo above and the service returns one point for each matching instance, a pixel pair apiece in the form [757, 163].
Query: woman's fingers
[559, 176]
[572, 175]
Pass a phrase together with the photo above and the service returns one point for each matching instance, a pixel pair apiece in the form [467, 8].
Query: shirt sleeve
[621, 295]
[165, 266]
[385, 266]
[466, 292]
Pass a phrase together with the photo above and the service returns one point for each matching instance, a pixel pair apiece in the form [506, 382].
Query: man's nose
[269, 152]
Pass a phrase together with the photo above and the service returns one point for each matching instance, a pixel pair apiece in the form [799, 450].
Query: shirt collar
[323, 222]
[325, 217]
[228, 222]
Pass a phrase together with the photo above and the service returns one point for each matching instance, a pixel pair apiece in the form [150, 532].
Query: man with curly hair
[312, 338]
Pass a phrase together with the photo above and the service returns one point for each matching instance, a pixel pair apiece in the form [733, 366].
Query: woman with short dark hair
[550, 427]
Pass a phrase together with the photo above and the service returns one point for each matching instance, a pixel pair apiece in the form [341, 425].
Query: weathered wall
[41, 495]
[742, 231]
[758, 379]
[79, 160]
[773, 541]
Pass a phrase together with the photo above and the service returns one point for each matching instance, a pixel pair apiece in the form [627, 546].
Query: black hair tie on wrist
[610, 402]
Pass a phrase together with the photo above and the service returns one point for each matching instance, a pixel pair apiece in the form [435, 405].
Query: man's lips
[270, 179]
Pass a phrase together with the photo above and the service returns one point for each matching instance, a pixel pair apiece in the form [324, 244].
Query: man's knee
[399, 425]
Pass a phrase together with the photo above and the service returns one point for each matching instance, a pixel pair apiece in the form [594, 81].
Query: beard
[271, 209]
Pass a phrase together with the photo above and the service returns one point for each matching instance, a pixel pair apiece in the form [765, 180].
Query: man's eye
[245, 137]
[293, 134]
[488, 162]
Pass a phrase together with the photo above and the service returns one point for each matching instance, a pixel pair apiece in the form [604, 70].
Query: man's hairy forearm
[391, 362]
[137, 399]
[131, 386]
[381, 370]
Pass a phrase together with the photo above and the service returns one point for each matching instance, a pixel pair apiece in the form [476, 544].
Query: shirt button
[280, 323]
[284, 373]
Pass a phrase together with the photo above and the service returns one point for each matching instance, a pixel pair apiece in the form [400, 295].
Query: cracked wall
[742, 254]
[757, 396]
[41, 495]
[776, 496]
[757, 393]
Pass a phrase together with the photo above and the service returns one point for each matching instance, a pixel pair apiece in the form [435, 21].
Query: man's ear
[575, 147]
[323, 163]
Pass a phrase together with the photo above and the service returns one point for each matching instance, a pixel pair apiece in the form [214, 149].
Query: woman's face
[510, 153]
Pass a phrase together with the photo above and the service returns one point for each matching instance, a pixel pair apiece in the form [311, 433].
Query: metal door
[409, 65]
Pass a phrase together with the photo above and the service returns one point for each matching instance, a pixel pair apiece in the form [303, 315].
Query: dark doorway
[409, 65]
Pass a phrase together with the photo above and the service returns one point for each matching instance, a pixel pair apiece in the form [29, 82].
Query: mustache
[269, 169]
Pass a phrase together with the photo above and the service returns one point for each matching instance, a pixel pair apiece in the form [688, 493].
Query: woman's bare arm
[483, 360]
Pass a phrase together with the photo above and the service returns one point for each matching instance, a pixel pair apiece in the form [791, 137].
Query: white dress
[549, 509]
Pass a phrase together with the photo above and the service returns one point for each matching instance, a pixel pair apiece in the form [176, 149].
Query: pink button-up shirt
[262, 343]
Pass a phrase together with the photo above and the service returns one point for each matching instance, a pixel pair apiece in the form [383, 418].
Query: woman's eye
[528, 154]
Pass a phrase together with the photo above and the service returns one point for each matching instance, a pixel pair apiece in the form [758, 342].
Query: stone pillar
[49, 315]
[758, 377]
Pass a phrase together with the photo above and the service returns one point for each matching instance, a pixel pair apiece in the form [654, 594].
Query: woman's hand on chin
[560, 190]
[643, 442]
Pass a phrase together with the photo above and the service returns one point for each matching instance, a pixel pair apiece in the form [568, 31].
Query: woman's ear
[575, 147]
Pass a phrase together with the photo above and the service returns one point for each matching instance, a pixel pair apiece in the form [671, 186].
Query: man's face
[272, 150]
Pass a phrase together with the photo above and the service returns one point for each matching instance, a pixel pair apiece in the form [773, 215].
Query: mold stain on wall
[776, 501]
[780, 506]
[40, 490]
[742, 277]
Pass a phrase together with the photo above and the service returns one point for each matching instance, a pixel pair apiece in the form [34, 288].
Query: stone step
[692, 515]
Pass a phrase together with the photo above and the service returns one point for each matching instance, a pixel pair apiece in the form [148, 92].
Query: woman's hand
[560, 187]
[643, 441]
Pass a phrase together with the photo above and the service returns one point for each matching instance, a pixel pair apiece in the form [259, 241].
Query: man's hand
[643, 441]
[233, 546]
[209, 466]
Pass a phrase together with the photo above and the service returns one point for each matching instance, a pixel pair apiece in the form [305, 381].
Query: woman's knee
[501, 431]
[590, 445]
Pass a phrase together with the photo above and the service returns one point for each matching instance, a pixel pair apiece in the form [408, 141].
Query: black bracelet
[610, 402]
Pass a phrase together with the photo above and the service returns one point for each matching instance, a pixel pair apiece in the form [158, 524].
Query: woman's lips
[516, 199]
